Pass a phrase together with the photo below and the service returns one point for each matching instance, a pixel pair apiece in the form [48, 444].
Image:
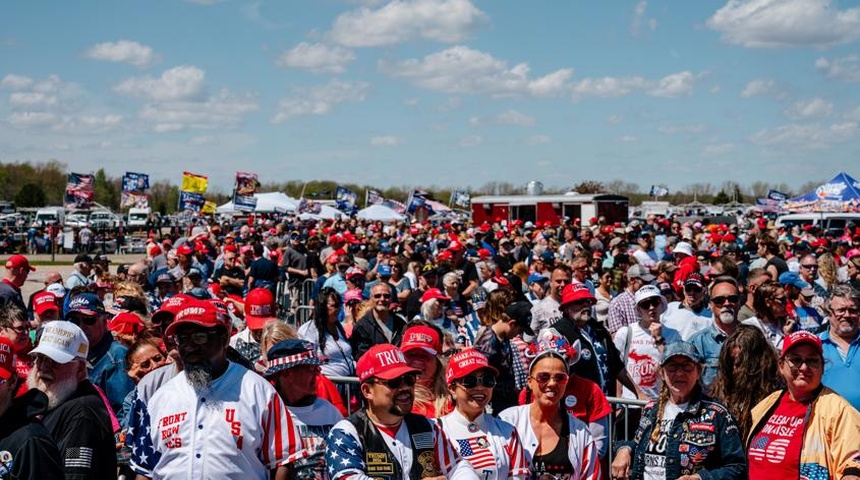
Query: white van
[831, 222]
[137, 217]
[49, 216]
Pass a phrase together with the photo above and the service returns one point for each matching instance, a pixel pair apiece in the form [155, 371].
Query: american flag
[143, 454]
[343, 455]
[78, 457]
[480, 457]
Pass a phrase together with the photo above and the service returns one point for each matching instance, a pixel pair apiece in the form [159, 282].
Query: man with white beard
[214, 419]
[725, 303]
[77, 417]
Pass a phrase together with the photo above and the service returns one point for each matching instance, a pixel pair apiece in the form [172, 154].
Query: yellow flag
[209, 208]
[191, 182]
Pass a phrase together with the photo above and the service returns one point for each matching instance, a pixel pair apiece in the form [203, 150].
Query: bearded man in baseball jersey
[215, 419]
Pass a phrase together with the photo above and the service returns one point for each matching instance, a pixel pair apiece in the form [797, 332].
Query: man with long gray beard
[77, 417]
[725, 303]
[215, 418]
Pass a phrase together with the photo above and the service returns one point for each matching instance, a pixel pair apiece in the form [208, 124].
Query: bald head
[53, 277]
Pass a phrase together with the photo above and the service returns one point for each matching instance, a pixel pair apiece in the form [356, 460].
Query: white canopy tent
[266, 203]
[327, 212]
[380, 213]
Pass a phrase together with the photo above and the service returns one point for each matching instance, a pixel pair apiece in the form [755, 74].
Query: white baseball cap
[62, 342]
[683, 247]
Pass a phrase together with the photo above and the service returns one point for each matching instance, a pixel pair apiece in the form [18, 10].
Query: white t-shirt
[655, 453]
[314, 422]
[337, 354]
[643, 358]
[686, 321]
[774, 333]
[493, 449]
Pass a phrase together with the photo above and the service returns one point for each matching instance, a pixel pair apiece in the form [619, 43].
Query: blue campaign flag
[135, 182]
[345, 199]
[191, 201]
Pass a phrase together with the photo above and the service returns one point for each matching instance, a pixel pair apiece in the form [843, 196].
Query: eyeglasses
[810, 267]
[198, 338]
[382, 295]
[721, 300]
[352, 303]
[841, 312]
[24, 327]
[797, 362]
[650, 302]
[87, 320]
[544, 377]
[675, 367]
[409, 380]
[472, 381]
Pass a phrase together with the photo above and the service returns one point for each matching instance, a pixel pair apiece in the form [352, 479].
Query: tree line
[44, 183]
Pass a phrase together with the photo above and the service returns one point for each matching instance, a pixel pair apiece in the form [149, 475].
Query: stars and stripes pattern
[480, 456]
[78, 457]
[758, 446]
[281, 439]
[143, 454]
[343, 455]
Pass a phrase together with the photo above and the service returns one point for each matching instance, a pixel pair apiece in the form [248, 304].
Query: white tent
[380, 213]
[266, 203]
[327, 212]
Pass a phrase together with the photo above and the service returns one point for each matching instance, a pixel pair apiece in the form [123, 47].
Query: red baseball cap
[455, 246]
[483, 253]
[18, 261]
[126, 323]
[169, 307]
[198, 312]
[259, 308]
[432, 293]
[574, 292]
[384, 361]
[184, 249]
[800, 337]
[7, 359]
[44, 302]
[465, 362]
[421, 337]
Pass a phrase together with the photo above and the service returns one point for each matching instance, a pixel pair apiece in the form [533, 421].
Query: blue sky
[435, 92]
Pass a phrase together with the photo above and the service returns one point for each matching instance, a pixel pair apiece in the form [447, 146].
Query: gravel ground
[62, 264]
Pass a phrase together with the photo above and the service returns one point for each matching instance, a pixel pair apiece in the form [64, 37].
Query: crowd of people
[436, 350]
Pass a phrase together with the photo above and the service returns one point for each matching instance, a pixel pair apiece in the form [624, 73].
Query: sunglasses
[797, 362]
[382, 295]
[197, 338]
[810, 267]
[409, 380]
[721, 300]
[693, 289]
[86, 320]
[544, 377]
[472, 381]
[650, 302]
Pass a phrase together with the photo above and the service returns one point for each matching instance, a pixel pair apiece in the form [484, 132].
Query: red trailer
[549, 208]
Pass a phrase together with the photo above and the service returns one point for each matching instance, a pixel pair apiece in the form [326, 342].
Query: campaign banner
[133, 200]
[776, 195]
[345, 199]
[247, 183]
[209, 207]
[308, 206]
[461, 199]
[658, 191]
[418, 201]
[373, 198]
[194, 183]
[135, 182]
[244, 203]
[191, 201]
[79, 191]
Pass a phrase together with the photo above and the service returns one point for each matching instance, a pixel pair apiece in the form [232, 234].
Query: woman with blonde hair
[828, 272]
[422, 348]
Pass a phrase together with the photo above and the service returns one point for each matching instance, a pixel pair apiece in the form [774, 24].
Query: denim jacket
[703, 440]
[106, 370]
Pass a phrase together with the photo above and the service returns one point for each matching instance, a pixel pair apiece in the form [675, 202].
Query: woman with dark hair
[771, 316]
[327, 333]
[401, 284]
[747, 373]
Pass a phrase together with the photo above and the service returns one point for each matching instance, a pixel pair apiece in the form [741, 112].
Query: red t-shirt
[774, 453]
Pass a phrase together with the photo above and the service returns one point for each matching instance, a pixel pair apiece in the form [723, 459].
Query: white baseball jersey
[345, 453]
[581, 448]
[314, 422]
[492, 446]
[237, 428]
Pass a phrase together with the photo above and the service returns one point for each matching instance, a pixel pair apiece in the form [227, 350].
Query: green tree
[30, 195]
[721, 198]
[588, 187]
[106, 190]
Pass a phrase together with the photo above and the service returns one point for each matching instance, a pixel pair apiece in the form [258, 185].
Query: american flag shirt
[494, 449]
[345, 455]
[238, 428]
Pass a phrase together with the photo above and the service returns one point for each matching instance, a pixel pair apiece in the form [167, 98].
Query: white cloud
[224, 110]
[674, 86]
[461, 69]
[182, 83]
[319, 100]
[627, 139]
[717, 149]
[813, 108]
[15, 82]
[317, 57]
[758, 87]
[615, 119]
[680, 129]
[785, 23]
[32, 100]
[608, 87]
[538, 139]
[125, 51]
[510, 117]
[89, 123]
[846, 69]
[386, 141]
[32, 119]
[793, 137]
[201, 140]
[411, 102]
[404, 20]
[470, 141]
[639, 19]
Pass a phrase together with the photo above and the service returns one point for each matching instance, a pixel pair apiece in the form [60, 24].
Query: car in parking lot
[103, 219]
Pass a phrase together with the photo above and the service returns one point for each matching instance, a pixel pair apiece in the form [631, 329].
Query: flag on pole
[373, 198]
[308, 206]
[247, 183]
[133, 200]
[462, 199]
[418, 199]
[194, 183]
[135, 182]
[657, 191]
[191, 201]
[345, 199]
[79, 190]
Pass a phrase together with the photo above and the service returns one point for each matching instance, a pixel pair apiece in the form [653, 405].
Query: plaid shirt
[622, 312]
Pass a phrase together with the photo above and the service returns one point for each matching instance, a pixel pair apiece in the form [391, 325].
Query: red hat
[574, 292]
[353, 294]
[230, 247]
[384, 361]
[126, 323]
[184, 249]
[199, 312]
[336, 238]
[421, 337]
[44, 302]
[169, 307]
[259, 308]
[18, 261]
[729, 238]
[7, 359]
[455, 246]
[444, 255]
[432, 293]
[154, 250]
[500, 235]
[483, 253]
[486, 227]
[501, 281]
[214, 289]
[799, 337]
[465, 362]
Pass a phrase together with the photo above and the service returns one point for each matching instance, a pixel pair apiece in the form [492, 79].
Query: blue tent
[841, 194]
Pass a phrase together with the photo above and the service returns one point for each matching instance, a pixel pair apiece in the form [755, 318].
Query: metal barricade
[283, 299]
[305, 292]
[346, 381]
[303, 314]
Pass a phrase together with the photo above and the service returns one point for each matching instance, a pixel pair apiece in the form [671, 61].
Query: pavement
[62, 263]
